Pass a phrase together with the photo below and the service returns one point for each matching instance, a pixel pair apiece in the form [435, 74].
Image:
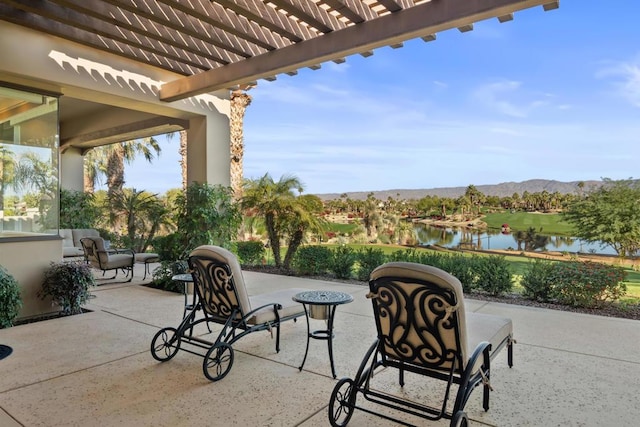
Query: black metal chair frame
[217, 298]
[435, 361]
[90, 249]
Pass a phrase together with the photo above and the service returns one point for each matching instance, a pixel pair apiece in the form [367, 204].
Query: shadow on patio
[96, 369]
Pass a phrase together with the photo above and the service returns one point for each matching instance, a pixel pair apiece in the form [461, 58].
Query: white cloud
[626, 79]
[506, 97]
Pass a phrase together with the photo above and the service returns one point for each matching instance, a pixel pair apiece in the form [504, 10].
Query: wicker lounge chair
[223, 299]
[423, 328]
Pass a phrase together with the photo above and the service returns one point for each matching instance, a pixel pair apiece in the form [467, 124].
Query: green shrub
[587, 284]
[250, 253]
[68, 284]
[368, 259]
[312, 260]
[162, 275]
[206, 215]
[169, 247]
[493, 274]
[406, 255]
[10, 302]
[536, 280]
[463, 268]
[78, 209]
[344, 258]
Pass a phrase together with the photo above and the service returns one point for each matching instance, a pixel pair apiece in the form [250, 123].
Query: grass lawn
[549, 224]
[342, 228]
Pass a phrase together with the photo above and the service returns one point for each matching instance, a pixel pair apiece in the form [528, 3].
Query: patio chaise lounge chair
[102, 258]
[223, 299]
[422, 328]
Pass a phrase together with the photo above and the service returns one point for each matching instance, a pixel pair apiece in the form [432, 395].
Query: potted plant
[10, 302]
[68, 284]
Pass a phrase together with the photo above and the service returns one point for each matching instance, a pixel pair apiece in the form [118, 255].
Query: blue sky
[550, 95]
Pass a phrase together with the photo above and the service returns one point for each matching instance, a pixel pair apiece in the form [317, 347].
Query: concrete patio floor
[96, 369]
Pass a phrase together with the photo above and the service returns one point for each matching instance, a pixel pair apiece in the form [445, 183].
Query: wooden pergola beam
[421, 20]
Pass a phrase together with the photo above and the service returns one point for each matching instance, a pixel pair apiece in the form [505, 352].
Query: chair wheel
[218, 361]
[165, 344]
[342, 402]
[460, 420]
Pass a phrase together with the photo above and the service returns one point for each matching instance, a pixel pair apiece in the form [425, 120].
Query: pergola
[127, 69]
[220, 44]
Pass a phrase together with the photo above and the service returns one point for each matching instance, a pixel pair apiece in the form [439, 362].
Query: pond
[454, 237]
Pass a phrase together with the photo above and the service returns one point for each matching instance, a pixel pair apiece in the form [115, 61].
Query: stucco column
[72, 170]
[208, 158]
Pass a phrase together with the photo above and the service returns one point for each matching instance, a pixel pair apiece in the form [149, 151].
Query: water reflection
[467, 238]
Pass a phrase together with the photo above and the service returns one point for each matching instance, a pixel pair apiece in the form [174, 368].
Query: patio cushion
[282, 297]
[79, 233]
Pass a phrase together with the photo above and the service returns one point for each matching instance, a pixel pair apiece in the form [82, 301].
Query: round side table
[321, 305]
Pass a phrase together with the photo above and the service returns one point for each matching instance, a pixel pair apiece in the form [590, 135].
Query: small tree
[139, 213]
[68, 284]
[609, 214]
[77, 209]
[207, 215]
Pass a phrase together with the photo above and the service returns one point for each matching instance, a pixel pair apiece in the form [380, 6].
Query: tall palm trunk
[274, 241]
[115, 170]
[239, 103]
[89, 184]
[183, 157]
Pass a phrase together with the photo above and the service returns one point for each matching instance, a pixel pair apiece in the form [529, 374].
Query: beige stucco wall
[19, 258]
[40, 61]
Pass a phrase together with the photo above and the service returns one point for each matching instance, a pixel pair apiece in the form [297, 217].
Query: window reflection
[28, 163]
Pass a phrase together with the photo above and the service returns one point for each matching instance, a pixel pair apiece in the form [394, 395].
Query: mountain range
[502, 190]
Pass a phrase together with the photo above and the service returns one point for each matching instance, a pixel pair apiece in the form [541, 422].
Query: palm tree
[110, 160]
[7, 171]
[95, 166]
[273, 201]
[139, 213]
[304, 217]
[371, 217]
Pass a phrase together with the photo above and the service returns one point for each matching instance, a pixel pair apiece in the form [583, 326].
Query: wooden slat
[228, 53]
[309, 13]
[104, 12]
[268, 17]
[230, 42]
[77, 35]
[421, 20]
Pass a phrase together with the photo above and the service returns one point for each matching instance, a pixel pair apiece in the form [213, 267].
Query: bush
[10, 302]
[250, 253]
[312, 260]
[493, 275]
[68, 284]
[168, 247]
[587, 284]
[536, 280]
[206, 215]
[163, 274]
[368, 259]
[344, 257]
[463, 268]
[78, 209]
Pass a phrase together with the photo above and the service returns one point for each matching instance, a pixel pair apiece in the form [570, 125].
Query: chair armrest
[124, 251]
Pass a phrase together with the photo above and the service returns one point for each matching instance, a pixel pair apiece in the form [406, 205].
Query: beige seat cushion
[282, 297]
[147, 257]
[79, 233]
